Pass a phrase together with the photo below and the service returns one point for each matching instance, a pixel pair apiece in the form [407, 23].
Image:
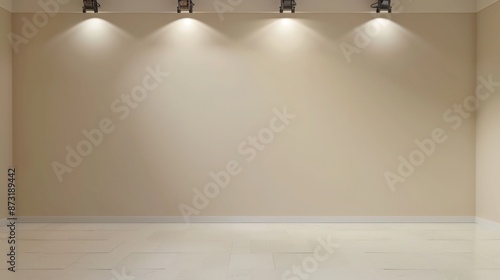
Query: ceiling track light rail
[90, 5]
[185, 5]
[382, 5]
[288, 5]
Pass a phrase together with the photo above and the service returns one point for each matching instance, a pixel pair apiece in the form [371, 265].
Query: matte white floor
[255, 251]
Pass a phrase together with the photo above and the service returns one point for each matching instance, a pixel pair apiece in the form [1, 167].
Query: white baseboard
[487, 223]
[3, 222]
[251, 219]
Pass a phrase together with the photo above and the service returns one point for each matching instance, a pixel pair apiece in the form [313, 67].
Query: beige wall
[5, 107]
[352, 121]
[488, 117]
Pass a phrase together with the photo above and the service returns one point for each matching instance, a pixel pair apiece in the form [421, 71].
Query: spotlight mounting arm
[288, 5]
[382, 5]
[92, 5]
[185, 5]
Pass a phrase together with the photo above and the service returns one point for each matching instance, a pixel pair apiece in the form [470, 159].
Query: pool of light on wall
[94, 27]
[186, 32]
[285, 36]
[378, 36]
[285, 21]
[97, 34]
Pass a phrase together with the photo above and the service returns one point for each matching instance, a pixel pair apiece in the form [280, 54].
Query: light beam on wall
[90, 5]
[384, 37]
[285, 21]
[283, 37]
[95, 36]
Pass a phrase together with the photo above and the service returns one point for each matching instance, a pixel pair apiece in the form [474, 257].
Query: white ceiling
[245, 6]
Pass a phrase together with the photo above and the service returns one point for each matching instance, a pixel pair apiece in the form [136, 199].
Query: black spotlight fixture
[383, 5]
[185, 5]
[90, 5]
[288, 5]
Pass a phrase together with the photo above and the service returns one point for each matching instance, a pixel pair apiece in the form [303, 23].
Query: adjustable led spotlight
[382, 5]
[288, 5]
[91, 5]
[185, 5]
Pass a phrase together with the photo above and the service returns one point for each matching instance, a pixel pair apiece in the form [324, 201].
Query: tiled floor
[254, 252]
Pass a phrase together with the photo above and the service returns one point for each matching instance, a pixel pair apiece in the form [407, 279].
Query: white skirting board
[487, 223]
[251, 219]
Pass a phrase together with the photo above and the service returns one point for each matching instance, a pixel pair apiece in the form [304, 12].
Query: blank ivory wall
[5, 107]
[488, 136]
[363, 93]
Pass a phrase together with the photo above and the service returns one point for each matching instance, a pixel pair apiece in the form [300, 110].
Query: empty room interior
[250, 139]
